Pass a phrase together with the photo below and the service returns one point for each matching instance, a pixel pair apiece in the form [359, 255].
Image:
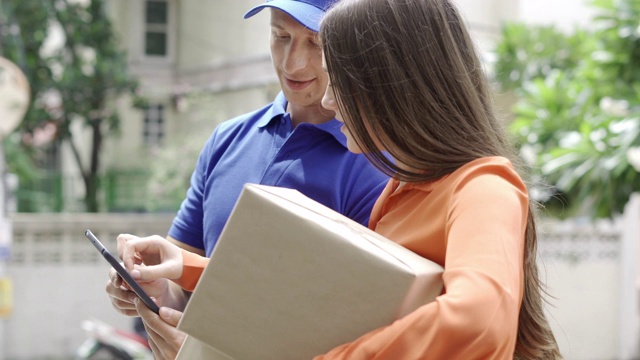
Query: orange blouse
[192, 268]
[472, 222]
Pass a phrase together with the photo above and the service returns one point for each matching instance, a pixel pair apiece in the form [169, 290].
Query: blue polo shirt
[262, 147]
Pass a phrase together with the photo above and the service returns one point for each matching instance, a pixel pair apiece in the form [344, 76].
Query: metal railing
[120, 191]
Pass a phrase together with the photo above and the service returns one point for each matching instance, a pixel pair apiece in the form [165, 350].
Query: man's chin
[301, 98]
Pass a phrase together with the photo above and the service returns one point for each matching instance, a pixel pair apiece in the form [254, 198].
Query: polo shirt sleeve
[366, 189]
[477, 315]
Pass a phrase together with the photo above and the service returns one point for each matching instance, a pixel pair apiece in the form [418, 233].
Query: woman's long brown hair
[407, 73]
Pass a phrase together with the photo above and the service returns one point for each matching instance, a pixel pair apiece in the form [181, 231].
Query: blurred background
[105, 104]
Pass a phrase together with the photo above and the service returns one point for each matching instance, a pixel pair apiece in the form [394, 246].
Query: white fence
[591, 269]
[59, 280]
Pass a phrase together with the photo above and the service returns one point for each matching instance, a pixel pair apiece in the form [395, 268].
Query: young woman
[406, 81]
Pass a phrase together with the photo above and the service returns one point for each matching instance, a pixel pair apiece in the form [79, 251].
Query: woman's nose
[328, 102]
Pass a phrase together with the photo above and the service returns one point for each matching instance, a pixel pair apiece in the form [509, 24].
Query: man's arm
[185, 246]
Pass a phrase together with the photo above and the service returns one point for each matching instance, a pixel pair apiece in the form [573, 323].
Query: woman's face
[330, 102]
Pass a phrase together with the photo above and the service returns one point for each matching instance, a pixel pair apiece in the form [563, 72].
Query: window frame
[154, 122]
[139, 27]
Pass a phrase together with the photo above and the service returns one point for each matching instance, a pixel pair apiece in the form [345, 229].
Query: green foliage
[578, 109]
[167, 185]
[78, 79]
[618, 55]
[527, 53]
[21, 160]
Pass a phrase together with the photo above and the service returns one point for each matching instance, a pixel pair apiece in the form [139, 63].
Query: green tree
[578, 109]
[78, 79]
[12, 46]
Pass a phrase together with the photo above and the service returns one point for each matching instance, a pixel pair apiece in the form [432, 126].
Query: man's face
[297, 59]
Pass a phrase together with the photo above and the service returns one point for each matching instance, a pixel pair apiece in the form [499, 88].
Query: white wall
[583, 312]
[215, 31]
[565, 13]
[591, 270]
[484, 18]
[59, 280]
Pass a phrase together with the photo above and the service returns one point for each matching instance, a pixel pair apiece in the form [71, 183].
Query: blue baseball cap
[306, 12]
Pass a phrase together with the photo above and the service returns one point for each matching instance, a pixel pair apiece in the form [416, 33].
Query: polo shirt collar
[333, 127]
[279, 108]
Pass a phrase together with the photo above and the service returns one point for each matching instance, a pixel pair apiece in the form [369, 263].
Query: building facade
[198, 63]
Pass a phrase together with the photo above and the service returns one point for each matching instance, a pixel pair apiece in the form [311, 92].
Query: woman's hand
[150, 258]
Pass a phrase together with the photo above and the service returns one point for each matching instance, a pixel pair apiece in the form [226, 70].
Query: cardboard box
[291, 278]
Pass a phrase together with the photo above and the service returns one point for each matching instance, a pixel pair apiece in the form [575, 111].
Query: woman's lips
[298, 85]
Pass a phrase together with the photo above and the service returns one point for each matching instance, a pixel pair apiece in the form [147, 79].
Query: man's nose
[297, 58]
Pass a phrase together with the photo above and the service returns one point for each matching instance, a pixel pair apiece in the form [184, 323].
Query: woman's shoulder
[487, 174]
[479, 173]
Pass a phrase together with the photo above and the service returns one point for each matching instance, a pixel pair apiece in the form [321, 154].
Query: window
[153, 127]
[156, 35]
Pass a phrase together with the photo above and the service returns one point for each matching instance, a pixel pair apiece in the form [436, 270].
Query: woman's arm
[477, 316]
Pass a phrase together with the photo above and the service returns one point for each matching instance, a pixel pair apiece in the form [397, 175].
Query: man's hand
[163, 291]
[164, 338]
[122, 297]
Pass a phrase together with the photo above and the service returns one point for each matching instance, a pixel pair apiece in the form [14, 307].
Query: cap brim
[307, 15]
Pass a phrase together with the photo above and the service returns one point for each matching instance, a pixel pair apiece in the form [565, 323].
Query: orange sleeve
[192, 267]
[477, 315]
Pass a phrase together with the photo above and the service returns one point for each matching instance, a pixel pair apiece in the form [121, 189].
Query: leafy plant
[167, 185]
[578, 107]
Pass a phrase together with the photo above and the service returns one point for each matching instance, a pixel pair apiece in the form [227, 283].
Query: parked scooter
[107, 342]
